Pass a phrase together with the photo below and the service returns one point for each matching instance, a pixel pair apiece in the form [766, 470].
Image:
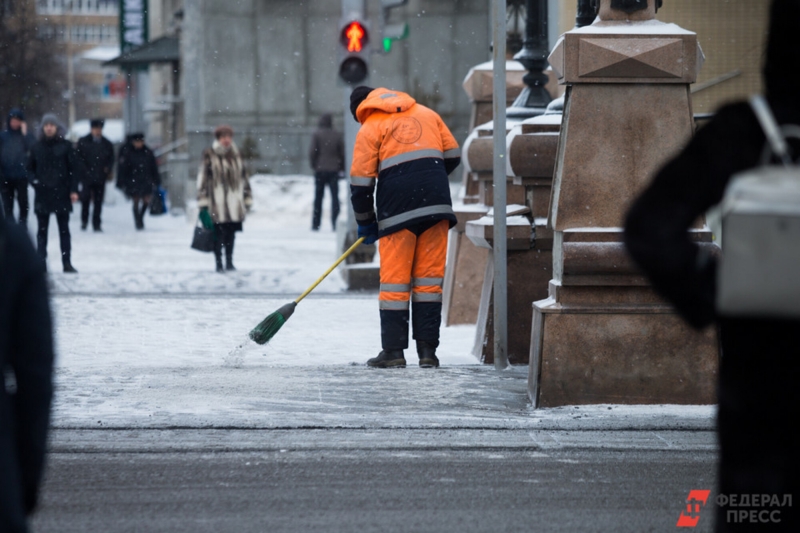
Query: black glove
[370, 232]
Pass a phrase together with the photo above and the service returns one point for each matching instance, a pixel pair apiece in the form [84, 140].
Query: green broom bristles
[262, 333]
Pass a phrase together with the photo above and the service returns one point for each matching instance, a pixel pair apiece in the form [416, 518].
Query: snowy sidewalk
[149, 337]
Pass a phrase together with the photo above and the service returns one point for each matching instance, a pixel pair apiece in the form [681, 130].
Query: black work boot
[68, 268]
[427, 355]
[388, 359]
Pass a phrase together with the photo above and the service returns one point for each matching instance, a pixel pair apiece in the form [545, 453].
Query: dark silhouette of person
[759, 396]
[15, 143]
[97, 154]
[326, 157]
[26, 366]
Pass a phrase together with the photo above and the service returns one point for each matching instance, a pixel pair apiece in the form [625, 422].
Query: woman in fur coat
[223, 191]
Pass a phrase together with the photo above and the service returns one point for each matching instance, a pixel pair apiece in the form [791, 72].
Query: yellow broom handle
[325, 275]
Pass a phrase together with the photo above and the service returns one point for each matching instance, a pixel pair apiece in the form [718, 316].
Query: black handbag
[158, 202]
[203, 240]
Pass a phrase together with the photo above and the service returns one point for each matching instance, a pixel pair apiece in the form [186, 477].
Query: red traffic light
[354, 36]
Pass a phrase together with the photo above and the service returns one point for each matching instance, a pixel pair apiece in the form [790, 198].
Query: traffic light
[392, 32]
[354, 63]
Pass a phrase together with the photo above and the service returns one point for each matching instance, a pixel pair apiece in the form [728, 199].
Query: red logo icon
[694, 502]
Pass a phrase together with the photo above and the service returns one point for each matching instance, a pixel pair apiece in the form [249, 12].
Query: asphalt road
[344, 485]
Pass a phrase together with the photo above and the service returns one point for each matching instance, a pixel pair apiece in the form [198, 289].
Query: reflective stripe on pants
[412, 269]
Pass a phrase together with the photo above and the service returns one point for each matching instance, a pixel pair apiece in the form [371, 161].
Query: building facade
[86, 34]
[269, 67]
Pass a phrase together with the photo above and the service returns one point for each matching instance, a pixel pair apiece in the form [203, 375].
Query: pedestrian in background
[15, 144]
[55, 172]
[327, 159]
[137, 175]
[26, 367]
[97, 154]
[223, 193]
[759, 398]
[408, 149]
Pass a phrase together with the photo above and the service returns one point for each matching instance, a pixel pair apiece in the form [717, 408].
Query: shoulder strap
[771, 129]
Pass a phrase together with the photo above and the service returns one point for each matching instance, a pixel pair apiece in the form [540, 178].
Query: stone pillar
[603, 335]
[531, 157]
[478, 86]
[465, 262]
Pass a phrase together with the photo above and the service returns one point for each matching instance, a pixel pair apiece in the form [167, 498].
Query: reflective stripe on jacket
[408, 150]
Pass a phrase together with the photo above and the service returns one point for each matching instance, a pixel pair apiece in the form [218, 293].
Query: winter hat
[223, 129]
[16, 113]
[138, 136]
[358, 95]
[50, 118]
[97, 123]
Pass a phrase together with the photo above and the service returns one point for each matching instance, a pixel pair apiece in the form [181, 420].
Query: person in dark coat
[759, 396]
[55, 172]
[15, 143]
[97, 154]
[326, 156]
[26, 353]
[137, 175]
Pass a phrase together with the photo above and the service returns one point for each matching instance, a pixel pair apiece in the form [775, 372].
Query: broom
[262, 333]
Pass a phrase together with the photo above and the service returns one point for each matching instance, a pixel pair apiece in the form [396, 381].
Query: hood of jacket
[382, 99]
[14, 113]
[783, 53]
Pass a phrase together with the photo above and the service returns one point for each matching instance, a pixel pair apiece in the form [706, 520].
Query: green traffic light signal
[393, 32]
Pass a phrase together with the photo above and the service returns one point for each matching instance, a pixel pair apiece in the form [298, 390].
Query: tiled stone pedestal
[602, 335]
[478, 84]
[531, 155]
[464, 274]
[466, 263]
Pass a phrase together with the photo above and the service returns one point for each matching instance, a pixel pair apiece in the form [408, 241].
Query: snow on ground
[149, 336]
[276, 253]
[115, 310]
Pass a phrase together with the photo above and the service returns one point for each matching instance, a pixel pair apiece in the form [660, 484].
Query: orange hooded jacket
[408, 150]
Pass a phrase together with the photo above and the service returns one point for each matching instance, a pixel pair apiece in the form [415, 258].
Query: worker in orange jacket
[407, 151]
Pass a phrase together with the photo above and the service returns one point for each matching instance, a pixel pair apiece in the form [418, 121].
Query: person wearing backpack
[759, 379]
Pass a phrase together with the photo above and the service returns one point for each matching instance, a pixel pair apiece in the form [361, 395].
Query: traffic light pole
[499, 178]
[351, 10]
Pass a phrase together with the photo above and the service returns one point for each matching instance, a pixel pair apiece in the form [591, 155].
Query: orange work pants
[412, 273]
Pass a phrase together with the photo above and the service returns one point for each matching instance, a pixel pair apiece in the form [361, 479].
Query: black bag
[158, 202]
[203, 239]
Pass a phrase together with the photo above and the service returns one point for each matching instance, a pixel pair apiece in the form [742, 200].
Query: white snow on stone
[644, 27]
